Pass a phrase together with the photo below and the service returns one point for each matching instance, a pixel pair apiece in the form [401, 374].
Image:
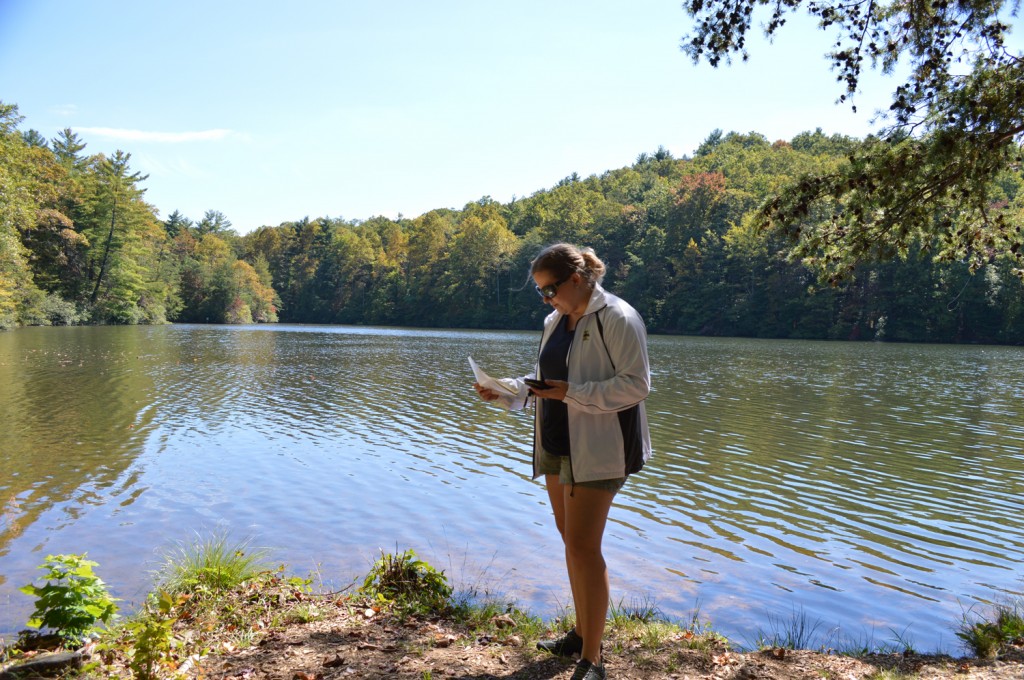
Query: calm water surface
[877, 488]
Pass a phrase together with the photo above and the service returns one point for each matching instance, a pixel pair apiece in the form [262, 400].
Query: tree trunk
[106, 253]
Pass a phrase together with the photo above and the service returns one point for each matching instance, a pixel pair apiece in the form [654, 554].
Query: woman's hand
[485, 394]
[556, 390]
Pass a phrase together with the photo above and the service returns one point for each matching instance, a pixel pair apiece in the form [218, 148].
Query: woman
[590, 430]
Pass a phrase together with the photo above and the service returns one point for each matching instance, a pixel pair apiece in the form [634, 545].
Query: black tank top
[554, 418]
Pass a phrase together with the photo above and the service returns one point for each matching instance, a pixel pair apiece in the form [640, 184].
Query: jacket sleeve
[626, 340]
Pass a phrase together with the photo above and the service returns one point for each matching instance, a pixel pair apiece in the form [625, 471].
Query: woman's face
[563, 294]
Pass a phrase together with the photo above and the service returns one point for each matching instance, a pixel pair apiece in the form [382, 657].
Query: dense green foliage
[78, 244]
[679, 236]
[410, 584]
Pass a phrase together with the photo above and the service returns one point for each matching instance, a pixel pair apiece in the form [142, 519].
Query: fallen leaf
[444, 641]
[335, 662]
[503, 621]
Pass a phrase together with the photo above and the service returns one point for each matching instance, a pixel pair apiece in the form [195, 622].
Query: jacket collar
[598, 300]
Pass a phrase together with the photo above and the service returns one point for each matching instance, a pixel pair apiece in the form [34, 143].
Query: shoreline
[351, 637]
[219, 612]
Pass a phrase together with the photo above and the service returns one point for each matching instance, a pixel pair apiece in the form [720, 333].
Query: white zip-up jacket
[609, 379]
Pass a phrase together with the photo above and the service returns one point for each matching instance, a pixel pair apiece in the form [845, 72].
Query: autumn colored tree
[683, 239]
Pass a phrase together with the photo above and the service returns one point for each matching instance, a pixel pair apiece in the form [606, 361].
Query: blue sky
[274, 111]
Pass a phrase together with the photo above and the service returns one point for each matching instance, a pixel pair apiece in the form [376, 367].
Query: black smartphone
[536, 384]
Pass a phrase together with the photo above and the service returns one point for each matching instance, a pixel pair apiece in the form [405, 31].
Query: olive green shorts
[560, 465]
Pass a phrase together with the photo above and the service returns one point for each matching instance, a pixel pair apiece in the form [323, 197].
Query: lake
[875, 489]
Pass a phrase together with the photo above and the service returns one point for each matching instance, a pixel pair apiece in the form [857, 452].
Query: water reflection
[78, 405]
[875, 486]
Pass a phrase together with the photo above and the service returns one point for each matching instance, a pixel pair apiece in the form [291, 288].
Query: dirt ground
[362, 644]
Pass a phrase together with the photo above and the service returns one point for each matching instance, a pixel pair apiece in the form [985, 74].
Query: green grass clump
[796, 632]
[987, 638]
[211, 564]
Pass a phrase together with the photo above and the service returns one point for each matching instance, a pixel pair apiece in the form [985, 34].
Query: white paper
[498, 385]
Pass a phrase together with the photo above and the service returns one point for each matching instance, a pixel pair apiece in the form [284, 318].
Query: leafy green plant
[73, 600]
[408, 582]
[151, 637]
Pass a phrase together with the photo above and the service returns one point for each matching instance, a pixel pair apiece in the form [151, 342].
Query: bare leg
[586, 514]
[556, 495]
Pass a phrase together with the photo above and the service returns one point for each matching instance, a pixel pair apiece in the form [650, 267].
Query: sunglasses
[551, 290]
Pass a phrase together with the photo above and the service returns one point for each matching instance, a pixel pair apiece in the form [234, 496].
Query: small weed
[799, 632]
[654, 634]
[643, 610]
[701, 637]
[302, 613]
[904, 643]
[498, 620]
[149, 636]
[73, 600]
[641, 621]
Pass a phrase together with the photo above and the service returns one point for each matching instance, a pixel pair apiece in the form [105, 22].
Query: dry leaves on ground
[348, 643]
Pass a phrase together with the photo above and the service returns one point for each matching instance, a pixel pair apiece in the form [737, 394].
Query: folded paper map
[500, 385]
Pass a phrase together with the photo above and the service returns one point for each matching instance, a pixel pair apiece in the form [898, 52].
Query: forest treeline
[79, 244]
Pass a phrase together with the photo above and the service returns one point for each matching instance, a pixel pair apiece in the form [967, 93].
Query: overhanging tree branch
[931, 178]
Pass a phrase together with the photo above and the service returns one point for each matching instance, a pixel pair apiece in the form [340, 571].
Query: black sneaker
[567, 645]
[588, 671]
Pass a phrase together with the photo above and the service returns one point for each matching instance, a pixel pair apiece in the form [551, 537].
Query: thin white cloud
[160, 137]
[171, 167]
[64, 110]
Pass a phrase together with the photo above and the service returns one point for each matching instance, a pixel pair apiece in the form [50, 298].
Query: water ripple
[867, 484]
